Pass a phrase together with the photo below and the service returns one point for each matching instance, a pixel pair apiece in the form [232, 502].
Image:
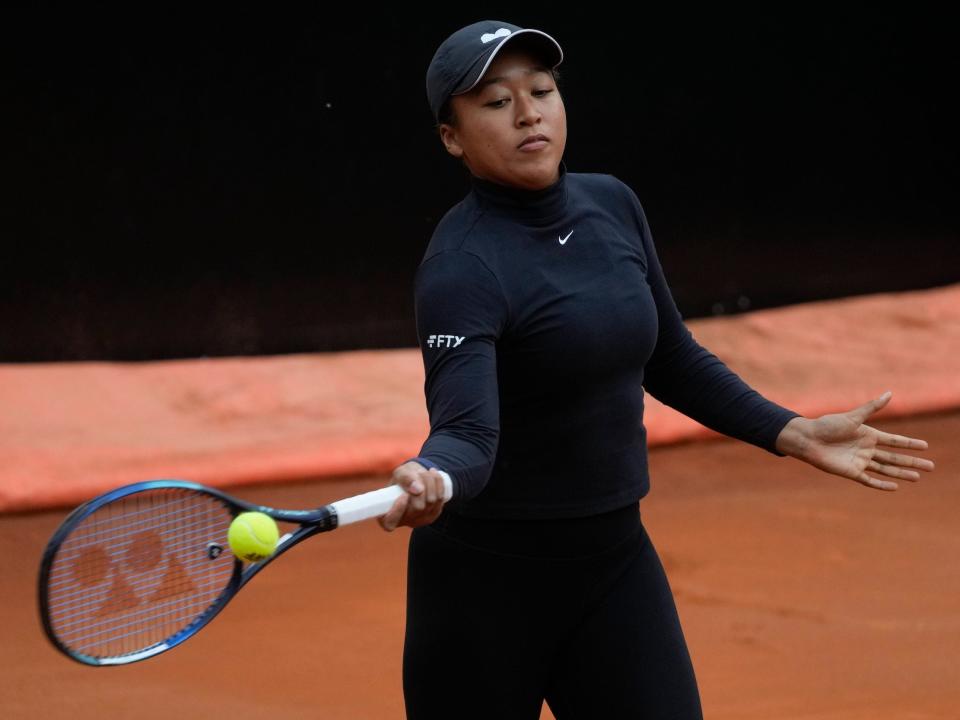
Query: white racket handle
[377, 502]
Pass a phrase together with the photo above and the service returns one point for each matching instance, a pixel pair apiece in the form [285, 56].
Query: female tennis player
[543, 316]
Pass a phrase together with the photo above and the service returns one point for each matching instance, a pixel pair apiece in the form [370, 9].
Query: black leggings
[502, 614]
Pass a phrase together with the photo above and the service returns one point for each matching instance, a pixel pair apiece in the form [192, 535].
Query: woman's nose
[527, 112]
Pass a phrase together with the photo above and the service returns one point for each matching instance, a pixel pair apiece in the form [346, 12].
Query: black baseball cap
[463, 58]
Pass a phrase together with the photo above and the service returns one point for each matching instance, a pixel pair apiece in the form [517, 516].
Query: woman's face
[510, 129]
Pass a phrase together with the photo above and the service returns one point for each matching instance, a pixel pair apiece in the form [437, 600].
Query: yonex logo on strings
[445, 340]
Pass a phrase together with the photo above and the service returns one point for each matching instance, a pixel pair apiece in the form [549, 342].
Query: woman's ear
[448, 134]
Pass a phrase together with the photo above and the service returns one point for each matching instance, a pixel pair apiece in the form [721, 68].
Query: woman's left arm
[841, 444]
[688, 377]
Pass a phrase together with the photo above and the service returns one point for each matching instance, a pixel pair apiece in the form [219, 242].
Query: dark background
[266, 181]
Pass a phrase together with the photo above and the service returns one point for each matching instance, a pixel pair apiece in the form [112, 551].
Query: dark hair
[447, 116]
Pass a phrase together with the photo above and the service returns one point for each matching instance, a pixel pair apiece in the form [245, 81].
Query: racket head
[138, 570]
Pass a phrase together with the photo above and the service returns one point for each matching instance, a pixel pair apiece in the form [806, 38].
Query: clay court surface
[802, 595]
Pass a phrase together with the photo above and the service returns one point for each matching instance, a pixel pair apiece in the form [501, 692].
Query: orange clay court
[802, 595]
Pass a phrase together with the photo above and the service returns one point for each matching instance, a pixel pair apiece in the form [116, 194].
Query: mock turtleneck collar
[533, 205]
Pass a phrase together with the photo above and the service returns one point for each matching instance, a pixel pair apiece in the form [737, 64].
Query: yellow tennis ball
[253, 536]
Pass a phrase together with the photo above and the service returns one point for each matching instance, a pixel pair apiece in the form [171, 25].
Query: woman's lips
[534, 143]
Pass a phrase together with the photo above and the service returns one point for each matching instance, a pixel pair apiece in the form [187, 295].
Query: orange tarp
[69, 431]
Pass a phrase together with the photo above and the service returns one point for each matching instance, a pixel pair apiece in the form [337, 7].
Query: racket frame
[311, 522]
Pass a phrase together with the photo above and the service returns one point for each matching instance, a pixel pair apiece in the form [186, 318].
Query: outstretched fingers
[907, 461]
[893, 471]
[876, 483]
[901, 441]
[894, 465]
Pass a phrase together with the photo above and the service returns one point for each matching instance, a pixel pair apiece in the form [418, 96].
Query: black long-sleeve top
[542, 316]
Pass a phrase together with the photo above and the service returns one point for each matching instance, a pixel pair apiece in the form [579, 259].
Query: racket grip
[377, 502]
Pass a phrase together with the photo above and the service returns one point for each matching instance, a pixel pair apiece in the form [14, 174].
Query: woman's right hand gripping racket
[138, 570]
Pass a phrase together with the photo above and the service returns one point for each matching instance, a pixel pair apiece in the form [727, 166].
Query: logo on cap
[490, 37]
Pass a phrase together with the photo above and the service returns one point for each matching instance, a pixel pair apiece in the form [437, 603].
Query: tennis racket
[138, 570]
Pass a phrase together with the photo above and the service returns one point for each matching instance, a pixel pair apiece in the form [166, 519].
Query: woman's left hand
[841, 444]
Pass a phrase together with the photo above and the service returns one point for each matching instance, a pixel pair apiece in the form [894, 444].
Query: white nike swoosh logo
[563, 241]
[490, 37]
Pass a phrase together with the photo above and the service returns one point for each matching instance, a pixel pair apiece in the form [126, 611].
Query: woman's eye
[501, 102]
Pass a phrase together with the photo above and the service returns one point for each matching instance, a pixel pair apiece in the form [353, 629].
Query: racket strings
[141, 521]
[138, 571]
[181, 548]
